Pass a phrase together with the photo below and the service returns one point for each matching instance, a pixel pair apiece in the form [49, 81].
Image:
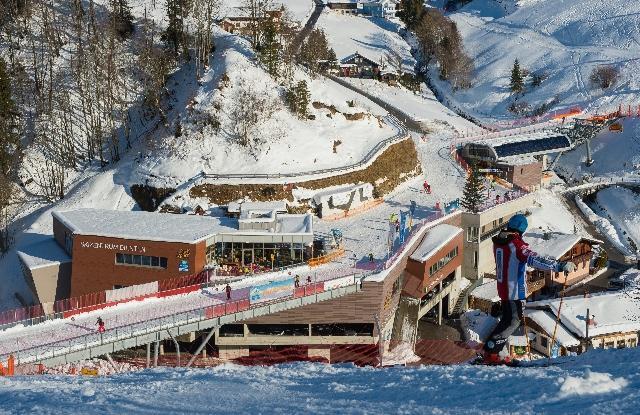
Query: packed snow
[601, 381]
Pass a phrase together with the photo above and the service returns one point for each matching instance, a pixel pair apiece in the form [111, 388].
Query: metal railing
[154, 325]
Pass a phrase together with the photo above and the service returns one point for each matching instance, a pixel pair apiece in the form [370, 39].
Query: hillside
[601, 381]
[562, 41]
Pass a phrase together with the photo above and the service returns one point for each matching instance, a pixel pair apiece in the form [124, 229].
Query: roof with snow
[547, 322]
[352, 59]
[555, 244]
[436, 238]
[43, 254]
[245, 208]
[613, 312]
[521, 145]
[146, 226]
[487, 291]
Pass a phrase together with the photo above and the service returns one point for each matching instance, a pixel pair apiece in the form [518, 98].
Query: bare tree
[604, 76]
[250, 110]
[203, 12]
[256, 10]
[395, 61]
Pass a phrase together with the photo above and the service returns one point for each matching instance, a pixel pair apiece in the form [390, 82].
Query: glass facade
[260, 254]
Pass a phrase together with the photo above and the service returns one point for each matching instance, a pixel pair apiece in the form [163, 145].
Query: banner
[338, 283]
[271, 291]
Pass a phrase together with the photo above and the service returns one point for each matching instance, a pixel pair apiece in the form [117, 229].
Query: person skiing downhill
[512, 257]
[427, 187]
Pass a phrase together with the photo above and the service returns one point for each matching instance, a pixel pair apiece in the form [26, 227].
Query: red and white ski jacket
[512, 256]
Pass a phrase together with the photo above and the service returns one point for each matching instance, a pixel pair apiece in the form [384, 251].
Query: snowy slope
[601, 381]
[422, 106]
[291, 144]
[616, 154]
[621, 206]
[565, 39]
[372, 37]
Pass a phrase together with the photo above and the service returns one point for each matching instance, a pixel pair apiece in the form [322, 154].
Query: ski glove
[568, 267]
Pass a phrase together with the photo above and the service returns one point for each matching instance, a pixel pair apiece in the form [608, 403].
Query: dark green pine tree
[302, 99]
[122, 18]
[517, 81]
[473, 195]
[269, 49]
[9, 137]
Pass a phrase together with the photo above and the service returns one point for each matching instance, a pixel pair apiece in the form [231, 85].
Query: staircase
[463, 298]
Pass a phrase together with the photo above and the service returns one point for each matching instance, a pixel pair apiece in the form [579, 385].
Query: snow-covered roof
[487, 291]
[241, 206]
[555, 244]
[547, 322]
[43, 254]
[297, 223]
[436, 238]
[340, 193]
[146, 226]
[615, 312]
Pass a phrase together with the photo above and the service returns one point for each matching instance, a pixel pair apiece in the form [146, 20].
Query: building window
[544, 342]
[609, 345]
[501, 221]
[443, 261]
[633, 342]
[472, 234]
[141, 260]
[621, 344]
[475, 259]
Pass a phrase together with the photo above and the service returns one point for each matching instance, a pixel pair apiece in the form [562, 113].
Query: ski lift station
[519, 159]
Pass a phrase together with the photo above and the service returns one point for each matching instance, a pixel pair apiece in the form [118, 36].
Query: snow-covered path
[601, 381]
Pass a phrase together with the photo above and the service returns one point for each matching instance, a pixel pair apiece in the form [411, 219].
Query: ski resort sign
[114, 247]
[271, 291]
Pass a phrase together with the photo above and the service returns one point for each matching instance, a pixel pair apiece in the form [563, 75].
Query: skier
[427, 187]
[100, 324]
[308, 279]
[296, 281]
[512, 257]
[370, 256]
[228, 290]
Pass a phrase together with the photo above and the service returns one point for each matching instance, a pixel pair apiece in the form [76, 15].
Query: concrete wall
[527, 176]
[481, 247]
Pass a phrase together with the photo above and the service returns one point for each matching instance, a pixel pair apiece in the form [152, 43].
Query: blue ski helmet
[518, 223]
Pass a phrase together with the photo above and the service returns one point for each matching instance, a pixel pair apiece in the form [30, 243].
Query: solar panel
[519, 148]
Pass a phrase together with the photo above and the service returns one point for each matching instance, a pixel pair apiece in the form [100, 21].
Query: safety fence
[36, 314]
[170, 320]
[314, 262]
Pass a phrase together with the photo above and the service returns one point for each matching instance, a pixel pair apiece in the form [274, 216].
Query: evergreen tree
[411, 12]
[121, 18]
[269, 49]
[9, 137]
[517, 81]
[302, 99]
[174, 34]
[473, 195]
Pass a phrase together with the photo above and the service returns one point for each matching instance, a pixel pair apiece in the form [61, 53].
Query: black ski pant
[509, 322]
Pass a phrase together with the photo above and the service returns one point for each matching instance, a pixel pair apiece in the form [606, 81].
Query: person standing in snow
[512, 257]
[296, 281]
[228, 290]
[370, 256]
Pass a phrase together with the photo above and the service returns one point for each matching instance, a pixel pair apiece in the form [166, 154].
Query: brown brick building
[100, 250]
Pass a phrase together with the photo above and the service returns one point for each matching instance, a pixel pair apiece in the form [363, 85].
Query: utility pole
[588, 320]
